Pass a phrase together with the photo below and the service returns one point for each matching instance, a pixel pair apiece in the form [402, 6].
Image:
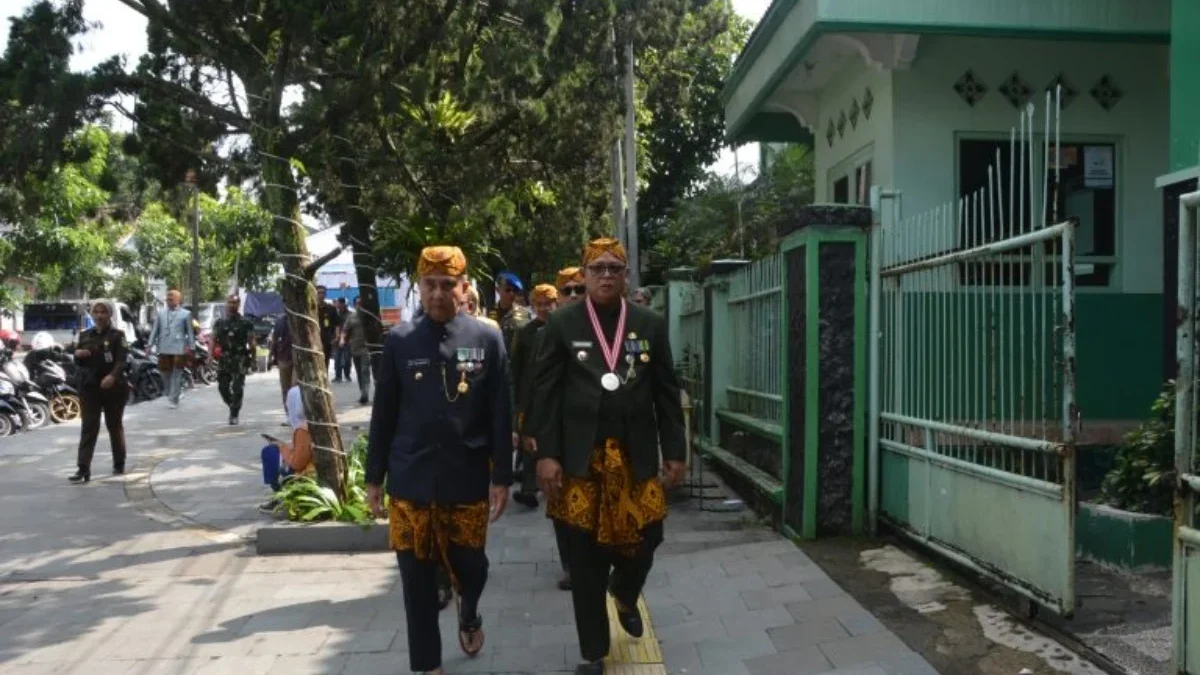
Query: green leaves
[305, 499]
[1143, 476]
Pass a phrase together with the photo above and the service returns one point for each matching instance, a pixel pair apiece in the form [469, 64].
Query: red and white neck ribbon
[612, 353]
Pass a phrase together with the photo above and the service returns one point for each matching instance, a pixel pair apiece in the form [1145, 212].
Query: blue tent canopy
[263, 304]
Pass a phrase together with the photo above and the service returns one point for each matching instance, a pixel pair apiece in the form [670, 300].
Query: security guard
[605, 399]
[545, 299]
[441, 434]
[100, 354]
[234, 334]
[510, 315]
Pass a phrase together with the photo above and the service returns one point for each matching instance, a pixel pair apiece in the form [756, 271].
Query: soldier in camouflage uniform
[235, 338]
[511, 316]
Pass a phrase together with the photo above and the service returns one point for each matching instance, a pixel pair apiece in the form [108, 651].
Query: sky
[123, 31]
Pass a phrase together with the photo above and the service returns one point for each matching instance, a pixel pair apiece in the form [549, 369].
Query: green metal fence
[692, 364]
[755, 304]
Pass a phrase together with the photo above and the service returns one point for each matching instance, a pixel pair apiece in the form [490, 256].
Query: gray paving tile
[861, 622]
[819, 609]
[756, 621]
[911, 664]
[692, 632]
[734, 649]
[864, 649]
[775, 597]
[807, 634]
[804, 661]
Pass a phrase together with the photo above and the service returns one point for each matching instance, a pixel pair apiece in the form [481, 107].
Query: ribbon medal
[611, 351]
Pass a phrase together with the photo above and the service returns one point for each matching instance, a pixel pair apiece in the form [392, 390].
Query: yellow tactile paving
[629, 656]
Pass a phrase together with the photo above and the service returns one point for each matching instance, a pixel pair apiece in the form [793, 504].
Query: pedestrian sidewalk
[727, 595]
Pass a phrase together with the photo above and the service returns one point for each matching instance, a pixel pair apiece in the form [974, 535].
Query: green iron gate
[1186, 591]
[972, 392]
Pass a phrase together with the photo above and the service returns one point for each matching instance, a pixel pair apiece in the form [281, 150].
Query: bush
[304, 499]
[1143, 477]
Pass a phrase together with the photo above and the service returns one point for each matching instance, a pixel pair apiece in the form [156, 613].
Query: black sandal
[467, 632]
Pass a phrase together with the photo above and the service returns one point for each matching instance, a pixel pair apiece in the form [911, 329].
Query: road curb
[287, 538]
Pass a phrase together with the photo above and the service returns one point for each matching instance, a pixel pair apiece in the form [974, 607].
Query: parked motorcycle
[142, 374]
[53, 371]
[10, 419]
[32, 407]
[203, 366]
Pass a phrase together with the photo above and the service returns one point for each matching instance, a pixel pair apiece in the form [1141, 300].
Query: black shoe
[593, 668]
[364, 401]
[564, 582]
[445, 595]
[337, 380]
[630, 619]
[233, 420]
[527, 499]
[269, 506]
[80, 476]
[118, 471]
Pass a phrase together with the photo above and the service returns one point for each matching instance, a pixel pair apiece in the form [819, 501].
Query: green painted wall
[930, 119]
[1126, 540]
[949, 351]
[1185, 84]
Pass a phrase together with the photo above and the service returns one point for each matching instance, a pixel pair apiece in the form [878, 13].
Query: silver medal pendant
[610, 382]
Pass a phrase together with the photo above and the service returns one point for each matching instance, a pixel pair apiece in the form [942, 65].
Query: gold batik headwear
[442, 260]
[598, 247]
[543, 292]
[568, 274]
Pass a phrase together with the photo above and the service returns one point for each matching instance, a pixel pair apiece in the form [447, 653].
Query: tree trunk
[300, 299]
[356, 232]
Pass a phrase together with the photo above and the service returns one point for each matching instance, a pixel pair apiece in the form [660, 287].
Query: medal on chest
[610, 350]
[467, 360]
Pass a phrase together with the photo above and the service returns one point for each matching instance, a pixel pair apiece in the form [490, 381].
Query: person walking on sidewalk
[327, 322]
[525, 342]
[355, 336]
[341, 349]
[441, 435]
[100, 354]
[605, 398]
[172, 337]
[234, 334]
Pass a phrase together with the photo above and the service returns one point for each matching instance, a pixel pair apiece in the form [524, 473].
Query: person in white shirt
[279, 459]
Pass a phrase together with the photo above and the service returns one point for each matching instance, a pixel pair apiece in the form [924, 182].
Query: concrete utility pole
[631, 219]
[196, 293]
[616, 160]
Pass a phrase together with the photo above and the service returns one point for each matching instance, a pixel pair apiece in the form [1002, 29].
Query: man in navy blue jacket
[441, 436]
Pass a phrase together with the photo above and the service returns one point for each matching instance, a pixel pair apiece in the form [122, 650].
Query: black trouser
[594, 570]
[560, 540]
[231, 384]
[419, 578]
[362, 370]
[526, 469]
[111, 403]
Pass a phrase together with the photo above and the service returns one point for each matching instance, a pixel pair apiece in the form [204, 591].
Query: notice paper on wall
[1098, 167]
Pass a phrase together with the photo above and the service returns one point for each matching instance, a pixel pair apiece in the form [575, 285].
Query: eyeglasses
[611, 269]
[573, 289]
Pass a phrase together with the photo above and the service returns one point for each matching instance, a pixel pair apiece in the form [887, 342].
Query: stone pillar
[825, 388]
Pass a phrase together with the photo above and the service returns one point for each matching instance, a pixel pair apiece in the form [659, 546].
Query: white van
[65, 319]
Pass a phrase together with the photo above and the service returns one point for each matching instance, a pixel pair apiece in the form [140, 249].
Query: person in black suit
[605, 399]
[441, 435]
[524, 348]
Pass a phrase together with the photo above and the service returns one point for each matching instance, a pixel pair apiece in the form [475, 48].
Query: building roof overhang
[800, 45]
